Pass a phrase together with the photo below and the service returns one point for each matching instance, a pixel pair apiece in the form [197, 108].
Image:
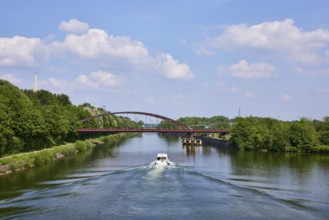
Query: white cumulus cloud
[22, 51]
[74, 26]
[94, 46]
[98, 80]
[246, 70]
[172, 69]
[105, 79]
[282, 38]
[97, 45]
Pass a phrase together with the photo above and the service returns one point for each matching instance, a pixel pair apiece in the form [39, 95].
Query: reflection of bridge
[182, 127]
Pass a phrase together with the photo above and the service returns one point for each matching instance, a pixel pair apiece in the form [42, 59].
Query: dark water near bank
[117, 182]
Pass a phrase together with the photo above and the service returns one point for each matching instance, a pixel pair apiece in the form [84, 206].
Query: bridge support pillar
[191, 141]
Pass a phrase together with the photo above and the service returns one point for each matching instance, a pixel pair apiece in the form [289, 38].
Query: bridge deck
[154, 130]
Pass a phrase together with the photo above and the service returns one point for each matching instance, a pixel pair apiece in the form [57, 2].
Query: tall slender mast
[35, 89]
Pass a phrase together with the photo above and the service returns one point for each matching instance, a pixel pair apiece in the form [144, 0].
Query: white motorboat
[162, 160]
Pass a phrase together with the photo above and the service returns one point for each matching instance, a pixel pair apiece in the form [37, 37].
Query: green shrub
[291, 149]
[106, 140]
[69, 151]
[21, 164]
[81, 146]
[320, 149]
[89, 144]
[42, 158]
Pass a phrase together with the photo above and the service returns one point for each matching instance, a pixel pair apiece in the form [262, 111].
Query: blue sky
[176, 57]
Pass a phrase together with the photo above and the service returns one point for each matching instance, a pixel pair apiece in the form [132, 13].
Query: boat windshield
[161, 158]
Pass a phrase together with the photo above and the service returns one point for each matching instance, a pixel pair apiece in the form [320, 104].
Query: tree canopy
[219, 122]
[254, 133]
[34, 120]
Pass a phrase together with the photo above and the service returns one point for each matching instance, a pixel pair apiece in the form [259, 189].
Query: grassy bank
[21, 161]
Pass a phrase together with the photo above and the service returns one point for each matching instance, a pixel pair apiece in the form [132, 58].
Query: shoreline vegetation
[36, 120]
[22, 161]
[265, 134]
[268, 134]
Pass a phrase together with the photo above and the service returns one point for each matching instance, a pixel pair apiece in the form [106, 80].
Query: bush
[21, 164]
[107, 139]
[81, 146]
[320, 149]
[291, 149]
[89, 145]
[42, 158]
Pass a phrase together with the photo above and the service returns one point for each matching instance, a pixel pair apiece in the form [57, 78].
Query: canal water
[117, 182]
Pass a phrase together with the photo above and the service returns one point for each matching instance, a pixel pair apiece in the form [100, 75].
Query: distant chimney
[35, 89]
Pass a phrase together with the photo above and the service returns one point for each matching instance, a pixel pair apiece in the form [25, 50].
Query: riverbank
[21, 161]
[321, 149]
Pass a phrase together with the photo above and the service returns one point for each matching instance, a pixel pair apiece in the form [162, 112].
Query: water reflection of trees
[285, 168]
[169, 138]
[31, 178]
[58, 169]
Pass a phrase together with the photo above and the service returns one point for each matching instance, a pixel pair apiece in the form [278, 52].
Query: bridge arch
[172, 121]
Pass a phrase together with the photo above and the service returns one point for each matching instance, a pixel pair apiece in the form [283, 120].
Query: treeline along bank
[266, 134]
[37, 120]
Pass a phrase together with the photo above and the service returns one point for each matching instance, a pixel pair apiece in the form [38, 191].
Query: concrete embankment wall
[214, 142]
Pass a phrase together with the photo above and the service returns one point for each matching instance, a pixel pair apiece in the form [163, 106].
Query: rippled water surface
[118, 182]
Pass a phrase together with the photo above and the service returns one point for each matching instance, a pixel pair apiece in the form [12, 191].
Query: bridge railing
[152, 130]
[182, 127]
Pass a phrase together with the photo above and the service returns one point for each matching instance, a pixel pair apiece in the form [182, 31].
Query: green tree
[251, 133]
[280, 136]
[322, 127]
[303, 136]
[32, 120]
[241, 133]
[220, 122]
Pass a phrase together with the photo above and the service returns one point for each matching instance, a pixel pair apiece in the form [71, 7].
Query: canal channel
[116, 181]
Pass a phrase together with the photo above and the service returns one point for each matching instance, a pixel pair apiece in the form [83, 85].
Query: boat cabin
[162, 156]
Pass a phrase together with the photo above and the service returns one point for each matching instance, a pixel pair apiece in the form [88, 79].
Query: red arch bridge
[182, 128]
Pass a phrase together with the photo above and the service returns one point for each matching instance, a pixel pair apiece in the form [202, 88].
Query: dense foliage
[253, 133]
[34, 120]
[218, 122]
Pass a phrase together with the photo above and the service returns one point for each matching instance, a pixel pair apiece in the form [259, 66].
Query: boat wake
[159, 166]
